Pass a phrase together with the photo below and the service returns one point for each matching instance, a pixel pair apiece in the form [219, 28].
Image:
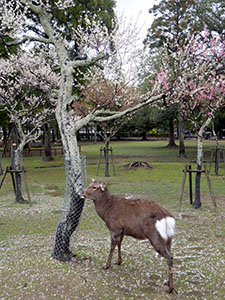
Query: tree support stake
[12, 172]
[103, 150]
[188, 169]
[217, 153]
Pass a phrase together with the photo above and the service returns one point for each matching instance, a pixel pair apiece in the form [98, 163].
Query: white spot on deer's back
[166, 227]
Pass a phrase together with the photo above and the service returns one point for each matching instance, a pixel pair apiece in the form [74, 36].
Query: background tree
[173, 21]
[219, 123]
[199, 88]
[116, 87]
[114, 97]
[47, 143]
[25, 87]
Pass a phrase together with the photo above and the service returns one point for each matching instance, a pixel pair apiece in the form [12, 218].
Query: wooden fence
[38, 152]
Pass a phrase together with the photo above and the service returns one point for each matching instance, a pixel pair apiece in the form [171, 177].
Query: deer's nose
[83, 194]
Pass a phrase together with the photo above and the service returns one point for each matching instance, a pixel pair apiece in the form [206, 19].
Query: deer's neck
[101, 205]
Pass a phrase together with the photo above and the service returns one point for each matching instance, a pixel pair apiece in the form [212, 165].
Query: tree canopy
[174, 19]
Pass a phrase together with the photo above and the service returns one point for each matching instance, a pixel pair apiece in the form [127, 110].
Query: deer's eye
[94, 188]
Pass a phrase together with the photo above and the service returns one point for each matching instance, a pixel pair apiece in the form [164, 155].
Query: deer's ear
[93, 180]
[102, 186]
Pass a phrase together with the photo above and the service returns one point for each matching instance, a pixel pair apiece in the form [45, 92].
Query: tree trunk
[197, 202]
[73, 187]
[144, 136]
[47, 144]
[106, 153]
[16, 164]
[181, 136]
[95, 128]
[217, 151]
[172, 143]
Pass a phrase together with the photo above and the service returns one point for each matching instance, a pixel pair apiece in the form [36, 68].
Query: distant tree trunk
[47, 144]
[181, 136]
[95, 127]
[172, 143]
[217, 152]
[144, 136]
[106, 152]
[118, 136]
[16, 164]
[53, 135]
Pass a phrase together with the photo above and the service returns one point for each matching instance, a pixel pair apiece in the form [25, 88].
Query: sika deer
[141, 219]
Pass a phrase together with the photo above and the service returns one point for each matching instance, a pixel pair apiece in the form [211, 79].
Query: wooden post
[211, 160]
[190, 171]
[100, 157]
[11, 171]
[114, 172]
[26, 186]
[190, 184]
[13, 179]
[182, 186]
[3, 176]
[99, 160]
[210, 188]
[217, 155]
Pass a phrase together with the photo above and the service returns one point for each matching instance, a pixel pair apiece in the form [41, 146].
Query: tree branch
[35, 8]
[94, 116]
[88, 62]
[25, 39]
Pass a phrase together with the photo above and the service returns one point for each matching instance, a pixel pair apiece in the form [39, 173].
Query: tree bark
[47, 144]
[181, 136]
[172, 143]
[73, 202]
[197, 202]
[16, 164]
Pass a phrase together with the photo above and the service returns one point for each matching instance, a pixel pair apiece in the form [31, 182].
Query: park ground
[27, 232]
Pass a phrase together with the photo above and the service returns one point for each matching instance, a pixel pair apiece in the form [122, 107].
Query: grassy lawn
[27, 233]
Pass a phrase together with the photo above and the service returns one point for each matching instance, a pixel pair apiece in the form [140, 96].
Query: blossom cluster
[196, 79]
[26, 85]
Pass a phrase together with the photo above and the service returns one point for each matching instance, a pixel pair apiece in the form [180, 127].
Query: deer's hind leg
[163, 247]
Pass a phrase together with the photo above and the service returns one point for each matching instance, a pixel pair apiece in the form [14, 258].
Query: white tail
[166, 227]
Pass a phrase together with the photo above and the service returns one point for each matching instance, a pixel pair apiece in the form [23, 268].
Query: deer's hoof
[171, 290]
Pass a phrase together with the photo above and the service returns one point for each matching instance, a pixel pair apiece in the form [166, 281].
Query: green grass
[27, 233]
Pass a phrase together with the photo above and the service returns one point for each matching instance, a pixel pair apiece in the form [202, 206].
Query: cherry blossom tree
[26, 85]
[99, 92]
[198, 87]
[116, 86]
[91, 49]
